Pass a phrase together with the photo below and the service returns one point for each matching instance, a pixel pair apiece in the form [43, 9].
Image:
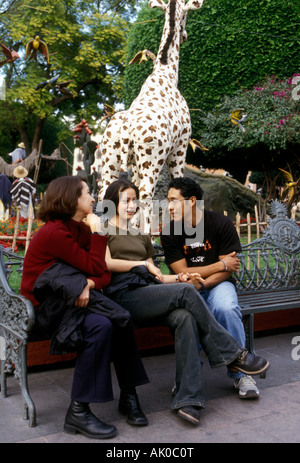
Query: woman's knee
[98, 324]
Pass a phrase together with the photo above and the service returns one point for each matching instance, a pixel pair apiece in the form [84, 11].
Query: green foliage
[86, 43]
[232, 44]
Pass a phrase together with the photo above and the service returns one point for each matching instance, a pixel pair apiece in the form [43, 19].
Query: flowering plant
[273, 117]
[7, 228]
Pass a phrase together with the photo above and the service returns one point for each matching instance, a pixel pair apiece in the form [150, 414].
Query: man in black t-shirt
[206, 242]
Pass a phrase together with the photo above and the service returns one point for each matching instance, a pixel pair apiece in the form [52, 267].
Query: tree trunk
[24, 137]
[37, 133]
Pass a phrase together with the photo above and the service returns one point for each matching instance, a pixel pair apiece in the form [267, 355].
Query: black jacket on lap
[57, 289]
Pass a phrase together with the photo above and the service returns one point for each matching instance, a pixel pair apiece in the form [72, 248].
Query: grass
[15, 277]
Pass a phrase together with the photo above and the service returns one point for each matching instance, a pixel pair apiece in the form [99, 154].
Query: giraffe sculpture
[156, 128]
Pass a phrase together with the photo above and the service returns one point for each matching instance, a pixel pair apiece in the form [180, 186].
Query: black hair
[187, 187]
[115, 188]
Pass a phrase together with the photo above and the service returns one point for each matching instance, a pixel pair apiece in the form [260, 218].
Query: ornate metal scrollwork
[272, 262]
[16, 321]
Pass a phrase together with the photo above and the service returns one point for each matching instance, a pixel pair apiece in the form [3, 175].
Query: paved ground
[275, 417]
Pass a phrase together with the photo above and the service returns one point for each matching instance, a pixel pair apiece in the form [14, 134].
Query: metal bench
[16, 321]
[268, 280]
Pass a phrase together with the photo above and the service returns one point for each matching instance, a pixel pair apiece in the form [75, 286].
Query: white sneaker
[246, 387]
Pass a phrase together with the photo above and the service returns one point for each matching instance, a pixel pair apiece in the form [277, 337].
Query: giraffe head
[180, 9]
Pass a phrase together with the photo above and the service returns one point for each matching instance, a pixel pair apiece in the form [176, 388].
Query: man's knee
[223, 298]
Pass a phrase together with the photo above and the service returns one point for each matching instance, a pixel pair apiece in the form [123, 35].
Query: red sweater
[70, 242]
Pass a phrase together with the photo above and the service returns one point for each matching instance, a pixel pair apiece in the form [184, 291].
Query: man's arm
[213, 273]
[229, 262]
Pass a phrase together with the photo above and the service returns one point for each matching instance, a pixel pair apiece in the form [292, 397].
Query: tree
[86, 43]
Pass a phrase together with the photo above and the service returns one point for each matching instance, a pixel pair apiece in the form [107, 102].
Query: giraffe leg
[147, 212]
[176, 163]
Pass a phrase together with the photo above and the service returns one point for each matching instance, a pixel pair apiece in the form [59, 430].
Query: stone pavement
[274, 418]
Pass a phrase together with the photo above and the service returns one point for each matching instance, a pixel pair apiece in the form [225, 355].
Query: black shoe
[129, 405]
[249, 364]
[80, 419]
[191, 414]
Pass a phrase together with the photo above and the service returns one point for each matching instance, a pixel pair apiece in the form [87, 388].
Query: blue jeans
[223, 302]
[181, 307]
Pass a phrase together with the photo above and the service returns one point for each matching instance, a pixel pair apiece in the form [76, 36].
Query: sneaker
[249, 364]
[246, 387]
[191, 414]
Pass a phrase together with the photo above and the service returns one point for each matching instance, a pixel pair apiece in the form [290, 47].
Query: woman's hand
[192, 278]
[84, 297]
[93, 221]
[155, 271]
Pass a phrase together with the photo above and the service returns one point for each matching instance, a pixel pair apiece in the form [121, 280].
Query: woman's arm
[120, 265]
[62, 245]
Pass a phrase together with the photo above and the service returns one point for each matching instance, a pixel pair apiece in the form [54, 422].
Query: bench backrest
[16, 312]
[273, 261]
[10, 261]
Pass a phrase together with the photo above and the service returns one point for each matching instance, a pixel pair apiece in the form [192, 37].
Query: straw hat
[21, 145]
[20, 172]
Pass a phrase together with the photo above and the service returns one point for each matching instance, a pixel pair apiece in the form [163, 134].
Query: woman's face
[85, 202]
[127, 204]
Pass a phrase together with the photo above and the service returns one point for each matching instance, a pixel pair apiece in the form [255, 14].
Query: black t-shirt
[219, 238]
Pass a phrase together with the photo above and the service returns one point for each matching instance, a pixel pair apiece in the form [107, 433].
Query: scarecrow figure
[22, 191]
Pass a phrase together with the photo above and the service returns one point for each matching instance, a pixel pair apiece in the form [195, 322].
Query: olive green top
[128, 244]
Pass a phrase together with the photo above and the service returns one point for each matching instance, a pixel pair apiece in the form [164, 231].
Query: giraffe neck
[168, 54]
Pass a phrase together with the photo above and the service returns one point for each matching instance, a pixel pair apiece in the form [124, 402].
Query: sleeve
[149, 247]
[173, 250]
[62, 246]
[228, 238]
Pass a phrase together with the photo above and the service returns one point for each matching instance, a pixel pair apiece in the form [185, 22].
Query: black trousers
[104, 342]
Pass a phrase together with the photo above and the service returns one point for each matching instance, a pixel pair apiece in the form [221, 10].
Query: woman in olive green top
[139, 286]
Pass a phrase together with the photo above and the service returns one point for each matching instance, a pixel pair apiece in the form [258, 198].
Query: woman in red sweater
[65, 240]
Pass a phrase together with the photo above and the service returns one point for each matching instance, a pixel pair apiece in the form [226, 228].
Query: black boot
[79, 418]
[129, 405]
[249, 364]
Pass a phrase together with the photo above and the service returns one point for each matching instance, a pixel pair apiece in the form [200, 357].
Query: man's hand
[231, 262]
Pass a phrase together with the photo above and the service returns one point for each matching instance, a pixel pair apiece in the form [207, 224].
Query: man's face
[179, 206]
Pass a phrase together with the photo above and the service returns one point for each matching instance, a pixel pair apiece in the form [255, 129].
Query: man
[18, 154]
[206, 242]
